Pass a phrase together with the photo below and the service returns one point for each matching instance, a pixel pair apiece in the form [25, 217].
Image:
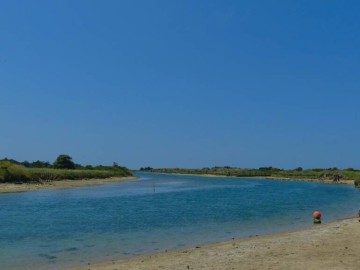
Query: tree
[64, 162]
[26, 164]
[146, 169]
[40, 164]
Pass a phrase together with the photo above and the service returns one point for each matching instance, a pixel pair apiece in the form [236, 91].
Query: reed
[10, 172]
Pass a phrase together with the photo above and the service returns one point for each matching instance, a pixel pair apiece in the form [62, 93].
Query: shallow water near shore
[54, 229]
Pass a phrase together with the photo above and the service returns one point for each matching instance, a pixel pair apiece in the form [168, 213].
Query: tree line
[63, 161]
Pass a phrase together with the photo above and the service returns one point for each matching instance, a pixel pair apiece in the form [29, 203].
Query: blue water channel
[54, 229]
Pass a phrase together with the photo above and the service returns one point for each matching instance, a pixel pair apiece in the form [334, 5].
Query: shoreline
[340, 182]
[327, 246]
[60, 184]
[64, 184]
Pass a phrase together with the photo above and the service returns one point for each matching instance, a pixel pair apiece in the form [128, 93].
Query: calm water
[54, 229]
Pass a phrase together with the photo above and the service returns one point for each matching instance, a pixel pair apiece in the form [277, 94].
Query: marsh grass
[10, 172]
[315, 174]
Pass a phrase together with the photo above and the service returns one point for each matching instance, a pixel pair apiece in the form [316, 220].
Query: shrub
[357, 182]
[10, 172]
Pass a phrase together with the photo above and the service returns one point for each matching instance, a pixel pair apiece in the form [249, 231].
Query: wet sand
[328, 246]
[59, 184]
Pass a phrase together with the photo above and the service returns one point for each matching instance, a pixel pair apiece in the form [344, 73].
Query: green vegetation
[357, 182]
[333, 174]
[63, 168]
[64, 162]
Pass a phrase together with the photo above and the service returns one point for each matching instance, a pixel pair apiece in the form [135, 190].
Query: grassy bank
[315, 174]
[13, 173]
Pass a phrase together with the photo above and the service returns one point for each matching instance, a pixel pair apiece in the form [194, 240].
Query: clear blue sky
[181, 83]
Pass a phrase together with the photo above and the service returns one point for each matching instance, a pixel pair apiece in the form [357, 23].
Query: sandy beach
[328, 246]
[59, 184]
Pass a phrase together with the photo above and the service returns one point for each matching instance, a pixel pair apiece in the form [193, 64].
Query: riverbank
[59, 184]
[328, 246]
[324, 181]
